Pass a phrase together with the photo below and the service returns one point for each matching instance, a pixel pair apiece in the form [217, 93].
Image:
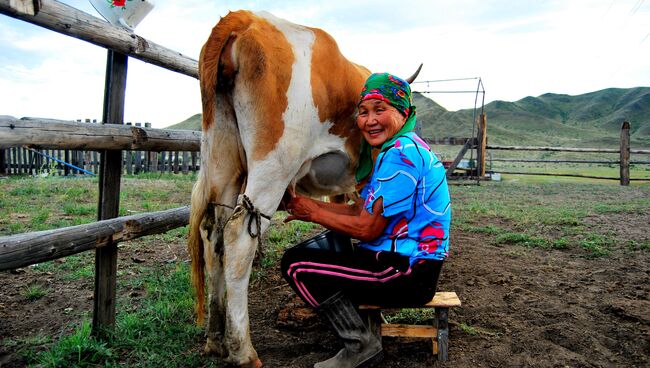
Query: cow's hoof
[253, 363]
[256, 363]
[213, 347]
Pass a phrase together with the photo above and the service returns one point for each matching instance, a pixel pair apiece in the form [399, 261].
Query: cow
[279, 103]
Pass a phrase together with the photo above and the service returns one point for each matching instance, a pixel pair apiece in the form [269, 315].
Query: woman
[402, 223]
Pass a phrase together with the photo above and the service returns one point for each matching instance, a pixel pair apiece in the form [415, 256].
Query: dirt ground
[527, 307]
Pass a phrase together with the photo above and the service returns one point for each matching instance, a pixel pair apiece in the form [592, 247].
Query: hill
[591, 119]
[191, 123]
[588, 120]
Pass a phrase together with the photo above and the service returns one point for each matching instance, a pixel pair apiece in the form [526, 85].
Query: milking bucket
[329, 240]
[125, 13]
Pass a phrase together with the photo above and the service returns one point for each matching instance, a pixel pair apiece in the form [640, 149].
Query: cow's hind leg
[218, 185]
[212, 236]
[240, 244]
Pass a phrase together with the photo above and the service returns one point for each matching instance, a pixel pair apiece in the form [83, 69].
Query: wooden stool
[438, 332]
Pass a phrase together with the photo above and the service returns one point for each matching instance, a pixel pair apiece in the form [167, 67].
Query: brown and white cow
[279, 104]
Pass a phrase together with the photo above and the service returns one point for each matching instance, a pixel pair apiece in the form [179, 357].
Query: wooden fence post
[482, 142]
[148, 155]
[128, 159]
[194, 161]
[162, 162]
[66, 158]
[3, 169]
[19, 160]
[138, 157]
[14, 160]
[625, 153]
[109, 196]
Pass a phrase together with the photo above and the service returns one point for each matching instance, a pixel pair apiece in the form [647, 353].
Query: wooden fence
[109, 139]
[624, 161]
[33, 146]
[52, 162]
[483, 160]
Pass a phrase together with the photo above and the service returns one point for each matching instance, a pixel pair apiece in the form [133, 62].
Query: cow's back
[292, 91]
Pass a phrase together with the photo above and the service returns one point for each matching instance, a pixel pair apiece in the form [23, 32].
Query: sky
[518, 49]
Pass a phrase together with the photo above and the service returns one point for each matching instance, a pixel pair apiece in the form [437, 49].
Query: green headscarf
[395, 91]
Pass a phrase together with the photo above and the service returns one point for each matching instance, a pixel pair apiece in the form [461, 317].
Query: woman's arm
[359, 224]
[342, 208]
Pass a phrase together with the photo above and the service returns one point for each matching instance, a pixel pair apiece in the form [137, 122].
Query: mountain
[191, 123]
[588, 120]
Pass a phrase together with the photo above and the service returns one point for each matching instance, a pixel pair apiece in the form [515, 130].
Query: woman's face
[378, 121]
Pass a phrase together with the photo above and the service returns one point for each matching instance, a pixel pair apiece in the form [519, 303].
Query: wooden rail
[72, 22]
[454, 141]
[29, 248]
[61, 134]
[567, 161]
[563, 149]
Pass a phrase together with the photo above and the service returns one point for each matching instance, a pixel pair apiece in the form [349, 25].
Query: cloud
[519, 49]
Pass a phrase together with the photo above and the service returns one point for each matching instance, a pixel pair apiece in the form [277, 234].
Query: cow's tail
[222, 157]
[217, 64]
[199, 206]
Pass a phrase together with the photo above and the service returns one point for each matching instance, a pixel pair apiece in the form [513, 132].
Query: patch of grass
[149, 206]
[163, 321]
[175, 234]
[74, 267]
[191, 177]
[86, 271]
[643, 245]
[563, 217]
[23, 191]
[521, 239]
[477, 331]
[40, 218]
[284, 235]
[76, 350]
[32, 204]
[597, 245]
[77, 193]
[38, 339]
[468, 329]
[608, 208]
[79, 209]
[34, 292]
[562, 243]
[488, 229]
[25, 345]
[17, 228]
[549, 215]
[154, 333]
[415, 316]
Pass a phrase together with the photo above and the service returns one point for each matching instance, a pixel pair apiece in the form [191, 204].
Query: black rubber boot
[362, 347]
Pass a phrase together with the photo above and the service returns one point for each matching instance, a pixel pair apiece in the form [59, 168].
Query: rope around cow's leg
[255, 215]
[246, 205]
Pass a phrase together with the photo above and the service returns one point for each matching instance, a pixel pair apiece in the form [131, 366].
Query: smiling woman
[402, 221]
[378, 121]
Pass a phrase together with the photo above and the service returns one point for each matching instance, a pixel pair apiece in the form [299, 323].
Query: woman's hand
[301, 208]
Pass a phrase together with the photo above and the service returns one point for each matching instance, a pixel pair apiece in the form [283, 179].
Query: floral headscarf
[395, 91]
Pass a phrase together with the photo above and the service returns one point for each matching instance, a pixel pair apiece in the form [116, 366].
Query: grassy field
[157, 329]
[42, 203]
